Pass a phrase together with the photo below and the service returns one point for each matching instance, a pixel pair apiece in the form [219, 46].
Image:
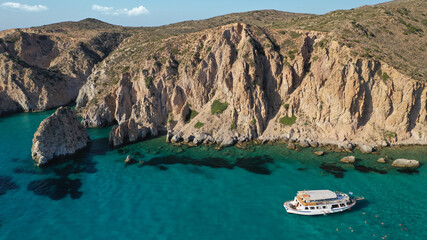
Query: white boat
[319, 202]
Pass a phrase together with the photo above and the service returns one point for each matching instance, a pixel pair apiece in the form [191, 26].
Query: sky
[30, 13]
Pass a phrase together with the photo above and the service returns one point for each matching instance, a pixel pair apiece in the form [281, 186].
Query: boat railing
[339, 201]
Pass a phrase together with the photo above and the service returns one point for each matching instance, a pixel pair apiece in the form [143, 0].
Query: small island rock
[319, 153]
[348, 159]
[382, 160]
[405, 163]
[59, 134]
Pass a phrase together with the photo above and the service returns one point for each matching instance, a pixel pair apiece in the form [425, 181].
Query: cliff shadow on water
[63, 177]
[266, 159]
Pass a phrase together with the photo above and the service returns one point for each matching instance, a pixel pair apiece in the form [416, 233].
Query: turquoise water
[198, 193]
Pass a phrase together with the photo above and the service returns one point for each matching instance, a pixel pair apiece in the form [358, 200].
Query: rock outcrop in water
[58, 135]
[405, 163]
[348, 159]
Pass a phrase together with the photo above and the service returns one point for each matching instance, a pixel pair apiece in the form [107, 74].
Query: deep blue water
[198, 193]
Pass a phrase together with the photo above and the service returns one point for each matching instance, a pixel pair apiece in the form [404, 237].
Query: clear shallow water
[198, 193]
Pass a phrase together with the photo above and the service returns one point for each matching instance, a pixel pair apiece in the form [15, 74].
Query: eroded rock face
[58, 135]
[43, 71]
[405, 163]
[320, 94]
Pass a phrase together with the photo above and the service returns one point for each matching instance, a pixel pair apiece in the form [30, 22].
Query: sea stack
[59, 134]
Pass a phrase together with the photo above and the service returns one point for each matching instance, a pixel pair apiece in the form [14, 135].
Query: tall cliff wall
[241, 82]
[43, 71]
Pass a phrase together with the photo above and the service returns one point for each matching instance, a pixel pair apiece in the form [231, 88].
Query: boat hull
[289, 209]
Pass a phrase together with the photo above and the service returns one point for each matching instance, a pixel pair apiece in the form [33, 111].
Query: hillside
[345, 78]
[394, 32]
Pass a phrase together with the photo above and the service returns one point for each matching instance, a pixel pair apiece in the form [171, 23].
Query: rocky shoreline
[293, 144]
[227, 141]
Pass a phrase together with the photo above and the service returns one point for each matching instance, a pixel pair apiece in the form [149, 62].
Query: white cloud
[24, 7]
[102, 9]
[122, 11]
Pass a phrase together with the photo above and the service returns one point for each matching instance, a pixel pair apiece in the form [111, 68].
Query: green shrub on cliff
[125, 69]
[198, 125]
[191, 114]
[148, 81]
[288, 121]
[292, 54]
[218, 107]
[385, 76]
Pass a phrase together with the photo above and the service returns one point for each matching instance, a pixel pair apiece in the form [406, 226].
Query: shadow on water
[360, 205]
[57, 188]
[258, 165]
[333, 169]
[408, 170]
[7, 184]
[365, 169]
[66, 171]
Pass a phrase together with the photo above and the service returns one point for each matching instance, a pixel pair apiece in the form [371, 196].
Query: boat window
[342, 205]
[324, 207]
[306, 208]
[311, 208]
[335, 206]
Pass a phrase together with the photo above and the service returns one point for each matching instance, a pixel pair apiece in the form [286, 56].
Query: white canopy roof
[315, 195]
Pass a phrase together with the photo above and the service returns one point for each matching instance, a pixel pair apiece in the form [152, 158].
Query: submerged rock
[291, 146]
[319, 153]
[129, 160]
[382, 160]
[348, 159]
[58, 135]
[304, 144]
[313, 143]
[405, 163]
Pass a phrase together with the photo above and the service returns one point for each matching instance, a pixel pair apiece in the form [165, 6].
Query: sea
[181, 192]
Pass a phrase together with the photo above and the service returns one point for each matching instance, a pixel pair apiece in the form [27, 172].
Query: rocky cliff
[43, 70]
[241, 82]
[58, 135]
[348, 78]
